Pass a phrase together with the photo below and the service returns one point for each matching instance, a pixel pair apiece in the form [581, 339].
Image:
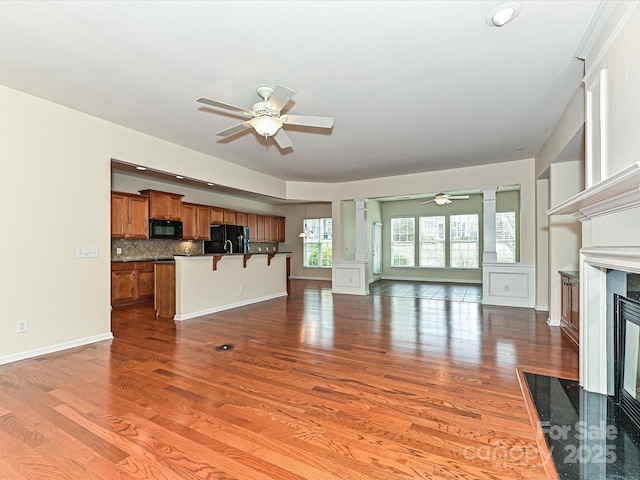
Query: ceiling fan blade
[279, 98]
[226, 106]
[235, 129]
[282, 139]
[459, 197]
[307, 121]
[428, 201]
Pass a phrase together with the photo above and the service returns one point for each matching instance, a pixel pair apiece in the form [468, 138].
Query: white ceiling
[412, 86]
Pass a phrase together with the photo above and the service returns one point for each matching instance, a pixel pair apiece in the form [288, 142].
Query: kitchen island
[215, 282]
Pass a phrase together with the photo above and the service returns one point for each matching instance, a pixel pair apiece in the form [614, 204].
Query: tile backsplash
[161, 248]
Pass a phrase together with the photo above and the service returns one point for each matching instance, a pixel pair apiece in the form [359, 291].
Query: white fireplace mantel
[613, 194]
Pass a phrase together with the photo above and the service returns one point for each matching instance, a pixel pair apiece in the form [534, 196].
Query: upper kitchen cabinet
[216, 216]
[241, 219]
[280, 224]
[164, 205]
[129, 216]
[195, 221]
[229, 217]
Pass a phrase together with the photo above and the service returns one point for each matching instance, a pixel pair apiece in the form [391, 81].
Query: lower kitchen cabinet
[131, 282]
[165, 289]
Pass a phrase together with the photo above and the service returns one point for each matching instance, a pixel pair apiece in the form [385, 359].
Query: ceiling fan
[444, 199]
[266, 118]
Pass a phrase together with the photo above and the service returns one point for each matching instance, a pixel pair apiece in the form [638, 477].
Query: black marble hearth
[585, 433]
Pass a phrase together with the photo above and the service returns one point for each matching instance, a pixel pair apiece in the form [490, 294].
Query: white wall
[565, 235]
[616, 52]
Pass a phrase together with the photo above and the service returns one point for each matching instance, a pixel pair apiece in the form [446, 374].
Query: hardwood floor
[316, 386]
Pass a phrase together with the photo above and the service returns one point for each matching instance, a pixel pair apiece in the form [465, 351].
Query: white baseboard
[542, 308]
[430, 279]
[310, 278]
[229, 306]
[15, 357]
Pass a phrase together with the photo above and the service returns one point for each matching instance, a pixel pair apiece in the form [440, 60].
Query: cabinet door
[123, 284]
[188, 221]
[565, 295]
[259, 228]
[202, 222]
[174, 207]
[229, 217]
[281, 226]
[575, 305]
[118, 216]
[216, 216]
[252, 223]
[241, 219]
[138, 217]
[158, 206]
[145, 280]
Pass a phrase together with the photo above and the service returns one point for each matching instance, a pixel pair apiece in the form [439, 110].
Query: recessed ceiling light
[179, 177]
[503, 14]
[139, 167]
[518, 149]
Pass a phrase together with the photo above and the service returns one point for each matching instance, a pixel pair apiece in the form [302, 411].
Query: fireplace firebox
[627, 359]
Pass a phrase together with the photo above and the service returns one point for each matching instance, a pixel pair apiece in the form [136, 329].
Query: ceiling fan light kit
[265, 116]
[441, 199]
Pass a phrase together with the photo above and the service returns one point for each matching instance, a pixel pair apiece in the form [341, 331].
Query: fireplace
[627, 359]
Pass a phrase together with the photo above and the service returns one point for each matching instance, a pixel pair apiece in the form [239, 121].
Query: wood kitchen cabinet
[229, 217]
[165, 289]
[195, 221]
[164, 205]
[280, 237]
[129, 216]
[131, 282]
[216, 216]
[570, 307]
[252, 223]
[241, 219]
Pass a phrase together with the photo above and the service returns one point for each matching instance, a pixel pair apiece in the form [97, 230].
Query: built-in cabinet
[129, 216]
[570, 306]
[164, 205]
[131, 282]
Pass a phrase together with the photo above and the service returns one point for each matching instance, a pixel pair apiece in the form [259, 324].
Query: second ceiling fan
[444, 199]
[266, 118]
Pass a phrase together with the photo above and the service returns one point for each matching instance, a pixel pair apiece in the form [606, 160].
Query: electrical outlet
[118, 251]
[241, 287]
[186, 249]
[22, 326]
[87, 252]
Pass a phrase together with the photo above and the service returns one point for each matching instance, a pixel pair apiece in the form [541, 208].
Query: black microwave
[165, 229]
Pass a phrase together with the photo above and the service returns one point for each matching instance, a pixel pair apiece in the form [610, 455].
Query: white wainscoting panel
[508, 284]
[350, 277]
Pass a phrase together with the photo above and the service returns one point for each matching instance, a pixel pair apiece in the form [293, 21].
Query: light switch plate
[87, 252]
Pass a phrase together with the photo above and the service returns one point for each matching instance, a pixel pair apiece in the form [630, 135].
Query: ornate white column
[362, 250]
[489, 254]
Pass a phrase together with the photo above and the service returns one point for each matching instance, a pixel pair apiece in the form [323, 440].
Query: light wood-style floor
[317, 386]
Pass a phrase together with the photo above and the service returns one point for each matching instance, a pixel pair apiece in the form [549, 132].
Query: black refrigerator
[227, 239]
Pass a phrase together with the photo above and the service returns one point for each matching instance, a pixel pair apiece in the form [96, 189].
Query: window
[506, 237]
[318, 251]
[403, 242]
[432, 241]
[463, 235]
